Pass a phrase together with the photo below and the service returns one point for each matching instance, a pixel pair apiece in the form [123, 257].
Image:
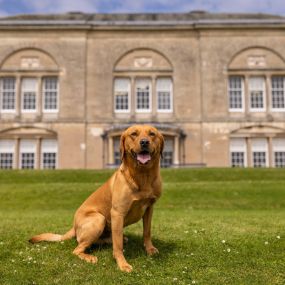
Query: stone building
[214, 84]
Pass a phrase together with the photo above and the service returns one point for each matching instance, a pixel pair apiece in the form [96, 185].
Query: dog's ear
[161, 138]
[122, 145]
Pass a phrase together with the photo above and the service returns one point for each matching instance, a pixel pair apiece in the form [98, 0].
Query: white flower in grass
[193, 282]
[195, 231]
[186, 232]
[175, 279]
[278, 237]
[1, 242]
[13, 260]
[228, 250]
[62, 242]
[223, 241]
[266, 243]
[44, 247]
[30, 258]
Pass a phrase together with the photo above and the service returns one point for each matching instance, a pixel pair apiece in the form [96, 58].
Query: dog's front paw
[152, 250]
[126, 267]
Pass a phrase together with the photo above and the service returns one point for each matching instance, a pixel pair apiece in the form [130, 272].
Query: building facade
[213, 84]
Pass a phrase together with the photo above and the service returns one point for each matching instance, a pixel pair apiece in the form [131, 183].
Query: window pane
[27, 154]
[237, 159]
[278, 145]
[256, 89]
[259, 152]
[164, 90]
[235, 92]
[122, 90]
[7, 149]
[49, 154]
[167, 158]
[8, 93]
[238, 152]
[29, 93]
[50, 93]
[278, 92]
[143, 94]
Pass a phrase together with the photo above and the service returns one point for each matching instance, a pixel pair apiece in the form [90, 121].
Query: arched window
[256, 81]
[257, 146]
[143, 83]
[29, 83]
[28, 148]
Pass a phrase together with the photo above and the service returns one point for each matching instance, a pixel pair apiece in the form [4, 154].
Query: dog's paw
[125, 267]
[152, 250]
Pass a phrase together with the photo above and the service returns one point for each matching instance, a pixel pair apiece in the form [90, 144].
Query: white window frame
[242, 109]
[49, 146]
[238, 145]
[274, 109]
[150, 94]
[164, 90]
[259, 145]
[278, 145]
[28, 146]
[8, 147]
[1, 95]
[263, 93]
[22, 95]
[44, 95]
[122, 90]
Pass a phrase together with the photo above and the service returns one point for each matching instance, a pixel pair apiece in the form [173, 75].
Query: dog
[127, 197]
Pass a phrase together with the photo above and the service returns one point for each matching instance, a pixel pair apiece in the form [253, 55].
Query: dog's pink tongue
[143, 158]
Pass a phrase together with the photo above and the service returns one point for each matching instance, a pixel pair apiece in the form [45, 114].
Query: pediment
[27, 132]
[29, 59]
[257, 58]
[143, 60]
[259, 131]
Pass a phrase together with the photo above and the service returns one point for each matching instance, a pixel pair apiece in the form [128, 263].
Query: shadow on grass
[134, 248]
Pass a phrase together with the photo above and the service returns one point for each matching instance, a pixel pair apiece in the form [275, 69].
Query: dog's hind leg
[88, 232]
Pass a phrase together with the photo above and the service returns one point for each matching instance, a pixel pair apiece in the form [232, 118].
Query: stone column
[176, 151]
[270, 152]
[110, 151]
[39, 97]
[38, 153]
[248, 152]
[17, 154]
[18, 96]
[153, 97]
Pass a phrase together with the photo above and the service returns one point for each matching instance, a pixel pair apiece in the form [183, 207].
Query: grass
[199, 209]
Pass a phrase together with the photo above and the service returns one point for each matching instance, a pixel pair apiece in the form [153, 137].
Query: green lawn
[212, 226]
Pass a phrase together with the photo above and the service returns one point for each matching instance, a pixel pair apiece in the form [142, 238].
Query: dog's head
[142, 144]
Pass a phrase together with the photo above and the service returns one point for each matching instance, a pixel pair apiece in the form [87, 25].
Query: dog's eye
[134, 134]
[152, 134]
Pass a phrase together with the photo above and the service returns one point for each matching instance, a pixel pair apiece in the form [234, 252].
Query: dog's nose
[144, 142]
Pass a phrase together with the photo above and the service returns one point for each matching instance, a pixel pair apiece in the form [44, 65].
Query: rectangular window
[122, 94]
[236, 93]
[278, 92]
[257, 93]
[27, 154]
[50, 94]
[29, 94]
[143, 95]
[8, 94]
[167, 158]
[7, 149]
[116, 146]
[259, 152]
[238, 152]
[49, 154]
[164, 94]
[278, 145]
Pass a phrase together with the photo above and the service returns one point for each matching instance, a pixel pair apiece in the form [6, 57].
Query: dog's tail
[53, 237]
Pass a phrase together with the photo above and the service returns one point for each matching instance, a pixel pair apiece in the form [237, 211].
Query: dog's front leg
[150, 249]
[117, 237]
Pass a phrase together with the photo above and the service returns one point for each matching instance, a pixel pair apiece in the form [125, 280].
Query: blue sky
[12, 7]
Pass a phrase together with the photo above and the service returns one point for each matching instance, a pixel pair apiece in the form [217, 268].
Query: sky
[12, 7]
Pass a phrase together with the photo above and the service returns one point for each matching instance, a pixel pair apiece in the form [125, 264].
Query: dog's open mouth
[143, 157]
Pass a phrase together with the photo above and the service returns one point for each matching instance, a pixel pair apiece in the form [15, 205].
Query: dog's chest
[137, 210]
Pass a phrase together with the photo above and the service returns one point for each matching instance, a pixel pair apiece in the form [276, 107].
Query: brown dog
[124, 199]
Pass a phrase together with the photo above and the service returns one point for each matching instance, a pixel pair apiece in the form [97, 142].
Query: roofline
[199, 23]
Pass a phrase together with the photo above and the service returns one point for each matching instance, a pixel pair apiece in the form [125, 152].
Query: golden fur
[124, 199]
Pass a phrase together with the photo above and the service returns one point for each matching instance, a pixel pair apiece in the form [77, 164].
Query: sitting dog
[124, 199]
